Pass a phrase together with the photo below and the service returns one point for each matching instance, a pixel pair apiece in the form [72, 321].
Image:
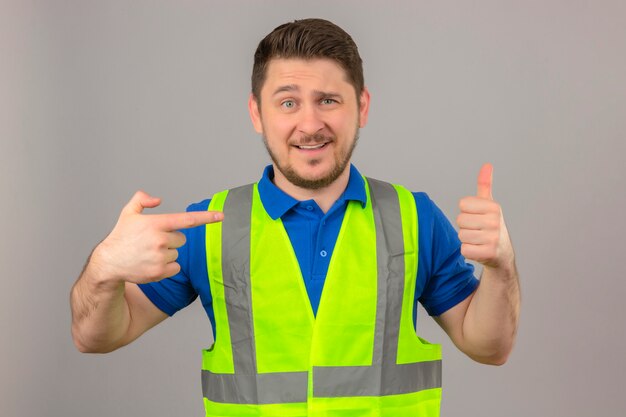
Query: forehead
[320, 74]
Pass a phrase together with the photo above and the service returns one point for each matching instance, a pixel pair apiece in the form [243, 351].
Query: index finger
[176, 221]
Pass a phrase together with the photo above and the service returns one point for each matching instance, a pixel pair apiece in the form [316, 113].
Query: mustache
[315, 138]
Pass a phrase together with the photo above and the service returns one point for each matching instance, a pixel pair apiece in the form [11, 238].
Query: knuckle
[494, 207]
[170, 270]
[158, 260]
[160, 242]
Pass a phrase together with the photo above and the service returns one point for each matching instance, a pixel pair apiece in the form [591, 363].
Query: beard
[341, 162]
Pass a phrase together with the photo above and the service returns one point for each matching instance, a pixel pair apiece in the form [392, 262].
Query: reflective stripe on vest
[385, 376]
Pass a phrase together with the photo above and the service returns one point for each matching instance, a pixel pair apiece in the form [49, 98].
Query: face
[309, 118]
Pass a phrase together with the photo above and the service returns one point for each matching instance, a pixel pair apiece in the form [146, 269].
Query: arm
[108, 308]
[484, 325]
[107, 316]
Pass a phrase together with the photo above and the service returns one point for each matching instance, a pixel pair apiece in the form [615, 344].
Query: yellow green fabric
[219, 358]
[288, 338]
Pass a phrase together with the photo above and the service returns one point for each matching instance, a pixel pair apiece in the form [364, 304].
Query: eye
[328, 101]
[288, 104]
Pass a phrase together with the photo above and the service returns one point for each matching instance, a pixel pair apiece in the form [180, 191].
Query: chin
[318, 174]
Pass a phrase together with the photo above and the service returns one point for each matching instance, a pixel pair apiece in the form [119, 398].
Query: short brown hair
[308, 39]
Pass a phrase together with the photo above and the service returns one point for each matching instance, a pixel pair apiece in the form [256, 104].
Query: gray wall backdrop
[101, 98]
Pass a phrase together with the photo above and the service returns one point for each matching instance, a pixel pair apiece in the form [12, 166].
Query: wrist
[504, 268]
[99, 272]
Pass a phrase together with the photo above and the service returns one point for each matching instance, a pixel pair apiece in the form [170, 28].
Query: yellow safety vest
[360, 356]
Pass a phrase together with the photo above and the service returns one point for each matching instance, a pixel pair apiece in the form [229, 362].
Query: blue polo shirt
[443, 278]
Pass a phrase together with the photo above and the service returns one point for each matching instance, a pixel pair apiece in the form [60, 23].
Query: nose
[310, 121]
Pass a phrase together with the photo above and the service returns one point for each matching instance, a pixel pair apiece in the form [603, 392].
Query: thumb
[485, 178]
[140, 201]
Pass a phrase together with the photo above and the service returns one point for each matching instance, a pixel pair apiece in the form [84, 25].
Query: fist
[482, 231]
[143, 247]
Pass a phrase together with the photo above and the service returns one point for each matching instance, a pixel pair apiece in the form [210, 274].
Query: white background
[101, 98]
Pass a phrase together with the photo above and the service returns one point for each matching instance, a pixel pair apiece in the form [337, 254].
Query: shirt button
[323, 254]
[310, 208]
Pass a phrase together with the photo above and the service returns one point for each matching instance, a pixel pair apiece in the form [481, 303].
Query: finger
[175, 239]
[139, 201]
[471, 252]
[478, 253]
[171, 269]
[473, 237]
[471, 221]
[478, 205]
[177, 221]
[485, 178]
[171, 255]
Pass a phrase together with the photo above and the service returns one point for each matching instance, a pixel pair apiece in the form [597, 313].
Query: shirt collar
[276, 202]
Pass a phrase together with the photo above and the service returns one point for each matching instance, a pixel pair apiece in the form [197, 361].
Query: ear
[365, 107]
[255, 113]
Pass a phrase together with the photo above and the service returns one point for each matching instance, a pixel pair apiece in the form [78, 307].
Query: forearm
[490, 325]
[100, 313]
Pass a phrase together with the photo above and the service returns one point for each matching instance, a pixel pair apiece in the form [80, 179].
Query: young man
[259, 256]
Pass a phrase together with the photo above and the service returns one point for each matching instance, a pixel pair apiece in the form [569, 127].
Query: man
[259, 256]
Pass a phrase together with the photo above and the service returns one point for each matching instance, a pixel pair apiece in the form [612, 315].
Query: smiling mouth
[312, 147]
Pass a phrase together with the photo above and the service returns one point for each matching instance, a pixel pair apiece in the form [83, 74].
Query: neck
[324, 197]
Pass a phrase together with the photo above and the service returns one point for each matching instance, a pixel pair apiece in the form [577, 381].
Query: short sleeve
[444, 278]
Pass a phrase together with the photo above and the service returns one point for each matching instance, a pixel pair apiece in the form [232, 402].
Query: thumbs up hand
[143, 247]
[482, 231]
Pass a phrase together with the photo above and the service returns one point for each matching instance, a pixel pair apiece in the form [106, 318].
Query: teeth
[311, 146]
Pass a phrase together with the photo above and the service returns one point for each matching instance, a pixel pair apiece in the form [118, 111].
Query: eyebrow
[293, 87]
[283, 88]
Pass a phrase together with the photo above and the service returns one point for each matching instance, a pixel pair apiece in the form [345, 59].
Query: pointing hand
[143, 247]
[482, 231]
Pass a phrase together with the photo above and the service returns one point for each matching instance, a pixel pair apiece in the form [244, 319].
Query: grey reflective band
[245, 386]
[274, 388]
[236, 275]
[375, 380]
[384, 377]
